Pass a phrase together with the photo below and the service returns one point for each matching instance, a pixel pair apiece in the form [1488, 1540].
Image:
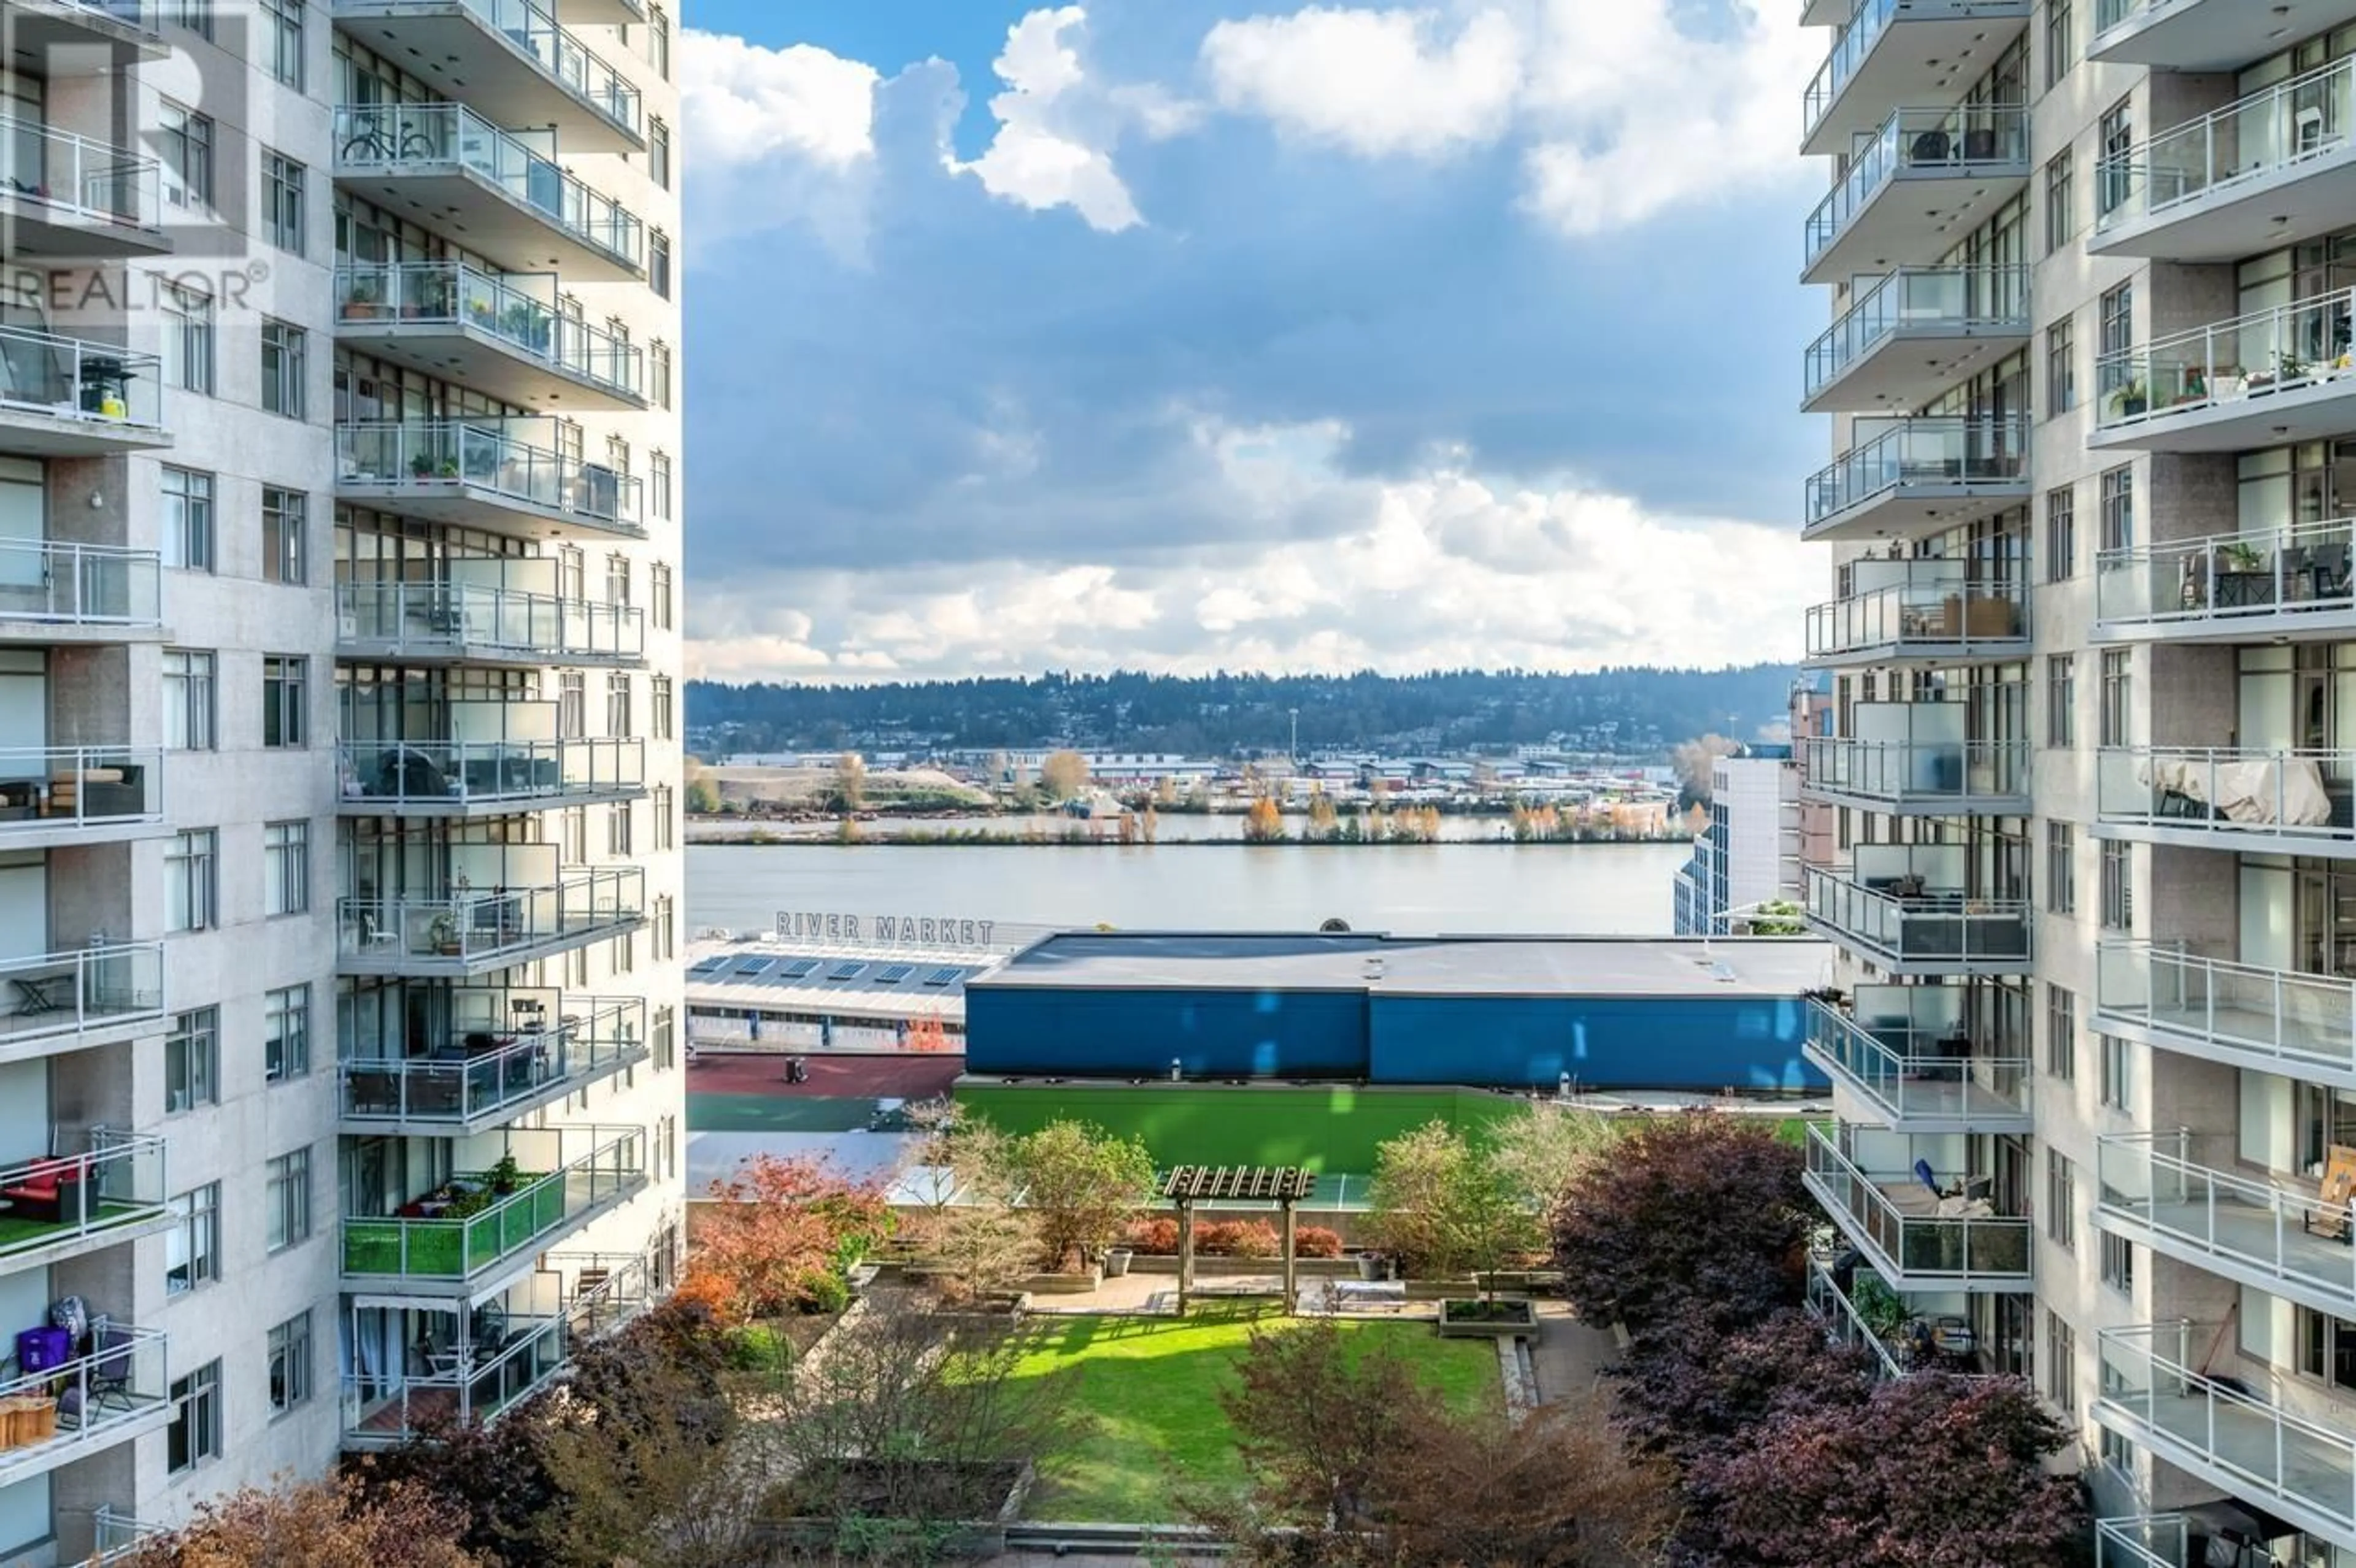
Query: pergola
[1188, 1185]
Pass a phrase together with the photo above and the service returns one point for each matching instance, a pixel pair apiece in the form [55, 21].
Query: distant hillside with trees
[1629, 711]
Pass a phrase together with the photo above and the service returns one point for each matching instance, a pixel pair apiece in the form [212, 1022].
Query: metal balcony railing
[92, 1399]
[2224, 578]
[2230, 363]
[84, 180]
[455, 620]
[117, 1536]
[453, 294]
[2167, 1186]
[1865, 29]
[1951, 300]
[1958, 776]
[101, 385]
[2276, 1020]
[80, 992]
[561, 56]
[456, 775]
[1895, 1221]
[1938, 604]
[1936, 925]
[441, 457]
[2272, 129]
[80, 585]
[1843, 1322]
[1916, 454]
[100, 1180]
[2239, 795]
[470, 1227]
[79, 787]
[481, 925]
[482, 1073]
[2146, 1541]
[1957, 141]
[1914, 1079]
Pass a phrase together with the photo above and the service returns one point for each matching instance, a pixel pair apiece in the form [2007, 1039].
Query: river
[1619, 890]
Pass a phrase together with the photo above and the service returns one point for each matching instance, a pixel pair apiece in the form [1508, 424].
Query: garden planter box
[1230, 1268]
[981, 1536]
[1003, 1307]
[1460, 1320]
[1079, 1283]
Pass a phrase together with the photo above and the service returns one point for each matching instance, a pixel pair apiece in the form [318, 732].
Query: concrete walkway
[1568, 1356]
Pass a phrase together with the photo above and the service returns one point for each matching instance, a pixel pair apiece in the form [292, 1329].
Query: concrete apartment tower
[339, 870]
[2093, 266]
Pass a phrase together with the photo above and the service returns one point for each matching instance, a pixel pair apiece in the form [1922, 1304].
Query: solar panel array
[846, 973]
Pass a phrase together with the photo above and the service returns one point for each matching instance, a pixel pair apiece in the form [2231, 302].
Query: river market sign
[891, 930]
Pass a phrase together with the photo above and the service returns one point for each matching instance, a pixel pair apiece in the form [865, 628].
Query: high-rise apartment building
[340, 873]
[1749, 853]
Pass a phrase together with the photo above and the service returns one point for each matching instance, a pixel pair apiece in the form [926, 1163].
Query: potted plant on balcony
[366, 300]
[2130, 400]
[444, 935]
[449, 469]
[421, 467]
[506, 1176]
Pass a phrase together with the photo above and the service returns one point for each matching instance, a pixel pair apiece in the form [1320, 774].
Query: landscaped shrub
[1316, 1241]
[1158, 1236]
[1250, 1239]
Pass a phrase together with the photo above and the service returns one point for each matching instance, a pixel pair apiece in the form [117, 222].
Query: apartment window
[572, 833]
[187, 338]
[2114, 340]
[658, 264]
[2061, 45]
[282, 46]
[186, 149]
[577, 976]
[617, 831]
[626, 952]
[286, 522]
[617, 579]
[2061, 873]
[2118, 691]
[665, 804]
[2118, 1072]
[190, 683]
[659, 151]
[187, 519]
[666, 930]
[659, 373]
[2061, 534]
[287, 1199]
[2325, 1344]
[285, 207]
[2118, 886]
[667, 1149]
[2117, 133]
[2321, 1118]
[658, 41]
[290, 1363]
[617, 704]
[572, 704]
[659, 481]
[663, 1043]
[2060, 368]
[659, 590]
[192, 879]
[571, 569]
[2062, 1034]
[2118, 508]
[192, 1060]
[196, 16]
[2061, 1363]
[192, 1246]
[284, 347]
[659, 705]
[2060, 1199]
[195, 1434]
[2060, 202]
[285, 685]
[2118, 1263]
[286, 1034]
[287, 868]
[2062, 701]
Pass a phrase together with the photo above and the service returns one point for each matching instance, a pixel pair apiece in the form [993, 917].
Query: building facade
[1749, 853]
[339, 545]
[2089, 377]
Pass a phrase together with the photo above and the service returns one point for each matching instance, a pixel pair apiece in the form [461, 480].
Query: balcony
[602, 13]
[493, 334]
[446, 164]
[101, 1188]
[1919, 612]
[1915, 1236]
[2146, 1541]
[481, 1078]
[1924, 778]
[1914, 925]
[473, 475]
[118, 1537]
[486, 778]
[2291, 585]
[510, 53]
[55, 797]
[1902, 51]
[462, 1235]
[2270, 170]
[475, 932]
[1909, 478]
[1927, 178]
[84, 37]
[2165, 1190]
[53, 591]
[77, 1001]
[62, 397]
[2204, 35]
[1913, 1083]
[2223, 1430]
[2243, 1015]
[2281, 803]
[2265, 380]
[1913, 334]
[111, 1393]
[65, 198]
[461, 623]
[1842, 1321]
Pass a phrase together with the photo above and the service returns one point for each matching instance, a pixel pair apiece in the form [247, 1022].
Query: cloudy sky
[1179, 333]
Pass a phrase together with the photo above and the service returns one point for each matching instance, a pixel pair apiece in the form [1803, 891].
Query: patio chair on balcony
[105, 1383]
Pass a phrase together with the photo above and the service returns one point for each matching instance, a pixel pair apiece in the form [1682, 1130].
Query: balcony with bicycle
[1922, 179]
[464, 621]
[64, 396]
[1912, 333]
[68, 198]
[475, 929]
[79, 999]
[2180, 1194]
[2185, 1391]
[2254, 1016]
[68, 1394]
[1898, 609]
[1918, 1228]
[471, 780]
[483, 1056]
[57, 592]
[1902, 51]
[1908, 478]
[1915, 1071]
[500, 334]
[1916, 759]
[95, 1188]
[482, 474]
[2269, 170]
[509, 53]
[1906, 908]
[462, 1235]
[2284, 585]
[2277, 802]
[2267, 379]
[503, 191]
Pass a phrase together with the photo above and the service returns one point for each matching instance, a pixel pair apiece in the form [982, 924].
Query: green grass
[17, 1234]
[1149, 1389]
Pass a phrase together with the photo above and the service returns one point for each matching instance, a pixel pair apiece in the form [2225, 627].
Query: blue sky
[1244, 334]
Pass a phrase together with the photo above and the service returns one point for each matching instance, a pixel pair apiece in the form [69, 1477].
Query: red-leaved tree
[318, 1524]
[778, 1237]
[1688, 1392]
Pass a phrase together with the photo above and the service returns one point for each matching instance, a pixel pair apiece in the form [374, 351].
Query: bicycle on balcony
[388, 139]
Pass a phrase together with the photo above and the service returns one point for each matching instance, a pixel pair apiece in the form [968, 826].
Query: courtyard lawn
[1150, 1390]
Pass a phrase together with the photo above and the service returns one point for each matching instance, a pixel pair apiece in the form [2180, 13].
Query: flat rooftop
[1418, 965]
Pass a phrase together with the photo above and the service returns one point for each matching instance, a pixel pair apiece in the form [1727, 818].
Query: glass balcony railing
[457, 620]
[1941, 300]
[427, 138]
[103, 1180]
[1933, 604]
[2193, 583]
[1906, 1231]
[482, 1073]
[86, 991]
[79, 787]
[1930, 776]
[2169, 1186]
[96, 384]
[560, 54]
[2146, 1541]
[1842, 1321]
[466, 1227]
[449, 293]
[2220, 1427]
[118, 1537]
[457, 775]
[477, 926]
[2241, 794]
[80, 585]
[1926, 926]
[1866, 27]
[2229, 363]
[1968, 139]
[2273, 129]
[81, 181]
[434, 457]
[1918, 1076]
[1904, 453]
[2276, 1020]
[100, 1395]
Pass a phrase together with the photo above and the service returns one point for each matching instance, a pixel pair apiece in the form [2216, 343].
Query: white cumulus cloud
[1377, 82]
[744, 103]
[1056, 126]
